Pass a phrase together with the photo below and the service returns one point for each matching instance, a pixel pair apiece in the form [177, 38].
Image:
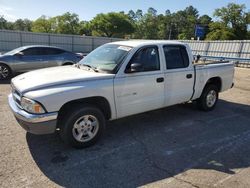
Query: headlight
[31, 106]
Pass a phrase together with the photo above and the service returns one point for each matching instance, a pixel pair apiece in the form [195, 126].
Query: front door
[30, 60]
[141, 90]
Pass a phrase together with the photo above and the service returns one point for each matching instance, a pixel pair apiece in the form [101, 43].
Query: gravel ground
[179, 146]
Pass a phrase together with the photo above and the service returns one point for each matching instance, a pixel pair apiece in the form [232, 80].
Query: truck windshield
[106, 57]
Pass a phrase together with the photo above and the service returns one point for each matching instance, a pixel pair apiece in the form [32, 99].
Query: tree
[85, 28]
[219, 31]
[111, 25]
[22, 25]
[43, 25]
[234, 16]
[3, 22]
[204, 20]
[67, 23]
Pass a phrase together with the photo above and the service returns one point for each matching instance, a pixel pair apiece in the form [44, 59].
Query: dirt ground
[178, 146]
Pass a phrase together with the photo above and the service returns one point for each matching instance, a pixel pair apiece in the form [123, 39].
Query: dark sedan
[28, 58]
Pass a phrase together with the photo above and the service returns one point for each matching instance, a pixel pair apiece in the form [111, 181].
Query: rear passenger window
[176, 57]
[54, 51]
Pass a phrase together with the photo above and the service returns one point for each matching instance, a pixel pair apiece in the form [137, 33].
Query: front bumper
[34, 123]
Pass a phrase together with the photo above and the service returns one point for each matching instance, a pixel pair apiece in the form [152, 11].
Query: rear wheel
[5, 72]
[208, 98]
[82, 126]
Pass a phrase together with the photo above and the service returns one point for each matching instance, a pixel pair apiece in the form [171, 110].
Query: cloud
[5, 11]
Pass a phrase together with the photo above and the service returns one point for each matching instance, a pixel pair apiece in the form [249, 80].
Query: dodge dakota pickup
[115, 80]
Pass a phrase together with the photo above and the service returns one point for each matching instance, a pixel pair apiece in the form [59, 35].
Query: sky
[87, 9]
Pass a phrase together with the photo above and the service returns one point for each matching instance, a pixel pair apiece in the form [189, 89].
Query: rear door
[141, 91]
[179, 74]
[53, 57]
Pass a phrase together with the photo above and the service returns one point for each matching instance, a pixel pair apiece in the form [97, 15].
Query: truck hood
[50, 77]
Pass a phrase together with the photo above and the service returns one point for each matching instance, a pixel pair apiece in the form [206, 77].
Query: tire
[208, 98]
[5, 72]
[82, 126]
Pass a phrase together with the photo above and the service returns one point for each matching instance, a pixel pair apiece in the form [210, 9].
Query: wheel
[5, 72]
[82, 126]
[208, 98]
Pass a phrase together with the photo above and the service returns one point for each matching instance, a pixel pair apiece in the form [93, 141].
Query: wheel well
[215, 81]
[99, 102]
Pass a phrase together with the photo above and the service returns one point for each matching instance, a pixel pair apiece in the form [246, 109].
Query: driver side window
[147, 58]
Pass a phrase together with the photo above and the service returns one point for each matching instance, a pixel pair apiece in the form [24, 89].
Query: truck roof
[138, 43]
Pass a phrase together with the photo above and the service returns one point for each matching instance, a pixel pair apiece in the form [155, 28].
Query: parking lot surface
[178, 146]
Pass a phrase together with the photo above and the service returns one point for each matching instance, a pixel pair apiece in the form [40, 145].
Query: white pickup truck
[115, 80]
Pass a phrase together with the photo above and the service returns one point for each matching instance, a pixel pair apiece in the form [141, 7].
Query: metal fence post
[93, 44]
[21, 38]
[49, 39]
[207, 48]
[240, 49]
[72, 39]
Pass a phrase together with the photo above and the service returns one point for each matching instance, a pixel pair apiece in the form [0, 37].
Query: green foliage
[22, 25]
[219, 31]
[43, 25]
[85, 28]
[67, 23]
[111, 25]
[234, 16]
[233, 23]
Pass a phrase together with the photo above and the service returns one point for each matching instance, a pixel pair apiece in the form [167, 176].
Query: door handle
[161, 79]
[188, 76]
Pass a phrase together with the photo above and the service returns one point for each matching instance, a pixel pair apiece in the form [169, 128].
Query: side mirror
[135, 67]
[19, 54]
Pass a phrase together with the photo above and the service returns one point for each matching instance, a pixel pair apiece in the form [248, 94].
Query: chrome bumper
[34, 123]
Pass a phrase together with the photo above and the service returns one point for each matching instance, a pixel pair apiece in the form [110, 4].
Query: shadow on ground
[7, 81]
[149, 147]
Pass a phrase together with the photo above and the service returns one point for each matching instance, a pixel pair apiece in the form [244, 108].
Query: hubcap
[85, 128]
[211, 98]
[4, 72]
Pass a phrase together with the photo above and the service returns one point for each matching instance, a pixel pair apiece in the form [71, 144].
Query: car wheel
[5, 72]
[82, 126]
[208, 98]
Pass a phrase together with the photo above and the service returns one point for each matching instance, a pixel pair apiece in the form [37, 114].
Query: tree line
[231, 23]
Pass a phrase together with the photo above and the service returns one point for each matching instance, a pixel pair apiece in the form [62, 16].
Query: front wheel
[208, 98]
[82, 126]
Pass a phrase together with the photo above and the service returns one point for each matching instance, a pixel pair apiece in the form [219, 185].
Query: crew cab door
[179, 74]
[141, 90]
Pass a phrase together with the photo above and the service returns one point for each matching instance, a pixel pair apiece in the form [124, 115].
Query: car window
[31, 51]
[54, 51]
[42, 51]
[176, 57]
[148, 57]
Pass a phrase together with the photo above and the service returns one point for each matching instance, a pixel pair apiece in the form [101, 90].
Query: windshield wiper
[89, 66]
